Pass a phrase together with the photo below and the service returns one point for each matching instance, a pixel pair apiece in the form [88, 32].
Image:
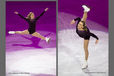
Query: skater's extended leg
[41, 37]
[22, 32]
[19, 32]
[38, 35]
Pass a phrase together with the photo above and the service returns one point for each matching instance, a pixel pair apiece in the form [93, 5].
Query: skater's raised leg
[84, 17]
[86, 10]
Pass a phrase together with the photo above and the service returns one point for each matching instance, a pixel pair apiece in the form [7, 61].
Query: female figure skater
[83, 31]
[32, 26]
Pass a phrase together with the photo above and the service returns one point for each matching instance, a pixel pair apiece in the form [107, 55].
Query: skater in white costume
[83, 31]
[32, 26]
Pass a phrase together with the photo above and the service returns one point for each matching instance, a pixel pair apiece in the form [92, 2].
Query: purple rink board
[27, 55]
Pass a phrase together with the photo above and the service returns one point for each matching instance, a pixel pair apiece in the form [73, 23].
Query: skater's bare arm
[41, 14]
[20, 15]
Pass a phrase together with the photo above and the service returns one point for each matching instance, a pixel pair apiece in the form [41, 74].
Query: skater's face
[80, 25]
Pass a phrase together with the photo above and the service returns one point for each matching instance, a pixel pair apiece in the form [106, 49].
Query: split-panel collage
[56, 38]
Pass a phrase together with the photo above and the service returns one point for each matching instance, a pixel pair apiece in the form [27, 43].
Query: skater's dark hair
[79, 20]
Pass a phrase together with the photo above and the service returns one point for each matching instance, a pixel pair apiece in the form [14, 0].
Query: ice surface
[34, 62]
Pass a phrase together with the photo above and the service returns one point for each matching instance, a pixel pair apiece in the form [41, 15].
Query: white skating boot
[84, 65]
[86, 9]
[11, 32]
[48, 39]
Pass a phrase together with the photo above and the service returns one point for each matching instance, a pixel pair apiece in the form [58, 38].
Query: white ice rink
[31, 62]
[71, 54]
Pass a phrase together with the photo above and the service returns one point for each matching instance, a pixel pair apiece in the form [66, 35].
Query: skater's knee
[35, 34]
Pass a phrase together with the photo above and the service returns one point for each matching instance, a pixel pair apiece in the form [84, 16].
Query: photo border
[3, 34]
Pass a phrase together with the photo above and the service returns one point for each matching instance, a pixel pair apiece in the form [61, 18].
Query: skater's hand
[46, 9]
[96, 41]
[72, 22]
[16, 12]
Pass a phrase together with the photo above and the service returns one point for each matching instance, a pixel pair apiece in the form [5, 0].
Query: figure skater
[83, 31]
[32, 25]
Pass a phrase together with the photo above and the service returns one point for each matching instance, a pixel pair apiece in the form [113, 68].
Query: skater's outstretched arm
[41, 14]
[76, 19]
[20, 15]
[93, 35]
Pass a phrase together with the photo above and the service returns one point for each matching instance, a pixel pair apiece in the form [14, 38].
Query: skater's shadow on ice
[35, 42]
